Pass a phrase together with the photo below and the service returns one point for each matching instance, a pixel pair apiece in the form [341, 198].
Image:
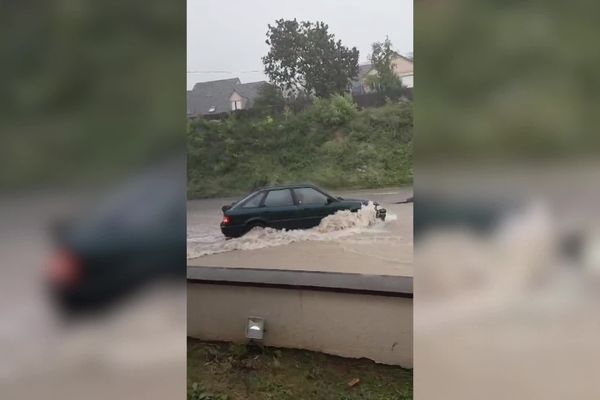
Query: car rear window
[310, 196]
[279, 198]
[253, 201]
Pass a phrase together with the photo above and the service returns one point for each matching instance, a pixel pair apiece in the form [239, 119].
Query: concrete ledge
[345, 324]
[385, 285]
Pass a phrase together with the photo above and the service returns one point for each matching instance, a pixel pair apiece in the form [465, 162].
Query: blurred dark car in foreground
[134, 236]
[286, 207]
[436, 211]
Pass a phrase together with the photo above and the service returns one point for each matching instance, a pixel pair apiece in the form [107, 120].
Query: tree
[386, 79]
[305, 56]
[270, 100]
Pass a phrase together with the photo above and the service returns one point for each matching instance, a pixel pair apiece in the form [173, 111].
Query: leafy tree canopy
[269, 101]
[304, 56]
[386, 79]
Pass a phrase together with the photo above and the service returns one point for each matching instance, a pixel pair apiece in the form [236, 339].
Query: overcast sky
[229, 36]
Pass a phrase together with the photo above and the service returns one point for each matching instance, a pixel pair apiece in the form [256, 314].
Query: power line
[223, 72]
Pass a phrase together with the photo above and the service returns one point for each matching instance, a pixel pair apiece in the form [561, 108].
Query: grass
[370, 148]
[221, 371]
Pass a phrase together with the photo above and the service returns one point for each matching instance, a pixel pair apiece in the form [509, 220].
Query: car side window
[253, 201]
[310, 196]
[279, 198]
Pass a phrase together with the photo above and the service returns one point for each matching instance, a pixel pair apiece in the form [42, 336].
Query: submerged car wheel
[255, 224]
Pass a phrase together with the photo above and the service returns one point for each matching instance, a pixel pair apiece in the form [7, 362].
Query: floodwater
[135, 349]
[512, 314]
[343, 242]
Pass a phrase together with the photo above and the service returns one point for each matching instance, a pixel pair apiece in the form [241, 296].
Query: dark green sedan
[285, 207]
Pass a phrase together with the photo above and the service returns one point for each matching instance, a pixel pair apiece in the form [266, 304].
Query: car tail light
[226, 220]
[64, 269]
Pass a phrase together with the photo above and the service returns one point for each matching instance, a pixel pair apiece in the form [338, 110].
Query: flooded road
[344, 242]
[139, 343]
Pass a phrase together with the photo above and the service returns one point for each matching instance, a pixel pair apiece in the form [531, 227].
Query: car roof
[294, 186]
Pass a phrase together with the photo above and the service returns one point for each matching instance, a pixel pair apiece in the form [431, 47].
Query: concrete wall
[344, 324]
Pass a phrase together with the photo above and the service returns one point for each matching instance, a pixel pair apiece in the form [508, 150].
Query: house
[219, 98]
[403, 67]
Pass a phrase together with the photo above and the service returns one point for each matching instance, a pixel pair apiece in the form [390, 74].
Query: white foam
[333, 227]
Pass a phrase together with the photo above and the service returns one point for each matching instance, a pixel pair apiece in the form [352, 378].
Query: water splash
[333, 227]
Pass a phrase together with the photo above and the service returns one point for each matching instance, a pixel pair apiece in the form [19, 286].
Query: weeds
[218, 371]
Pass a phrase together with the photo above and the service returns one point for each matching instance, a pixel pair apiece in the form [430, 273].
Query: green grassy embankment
[331, 143]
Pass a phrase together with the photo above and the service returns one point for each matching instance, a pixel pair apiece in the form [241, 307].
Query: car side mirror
[330, 200]
[340, 198]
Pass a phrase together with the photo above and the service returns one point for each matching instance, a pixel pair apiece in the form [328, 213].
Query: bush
[331, 143]
[270, 101]
[333, 112]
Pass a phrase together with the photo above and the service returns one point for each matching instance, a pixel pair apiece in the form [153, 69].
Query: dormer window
[236, 105]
